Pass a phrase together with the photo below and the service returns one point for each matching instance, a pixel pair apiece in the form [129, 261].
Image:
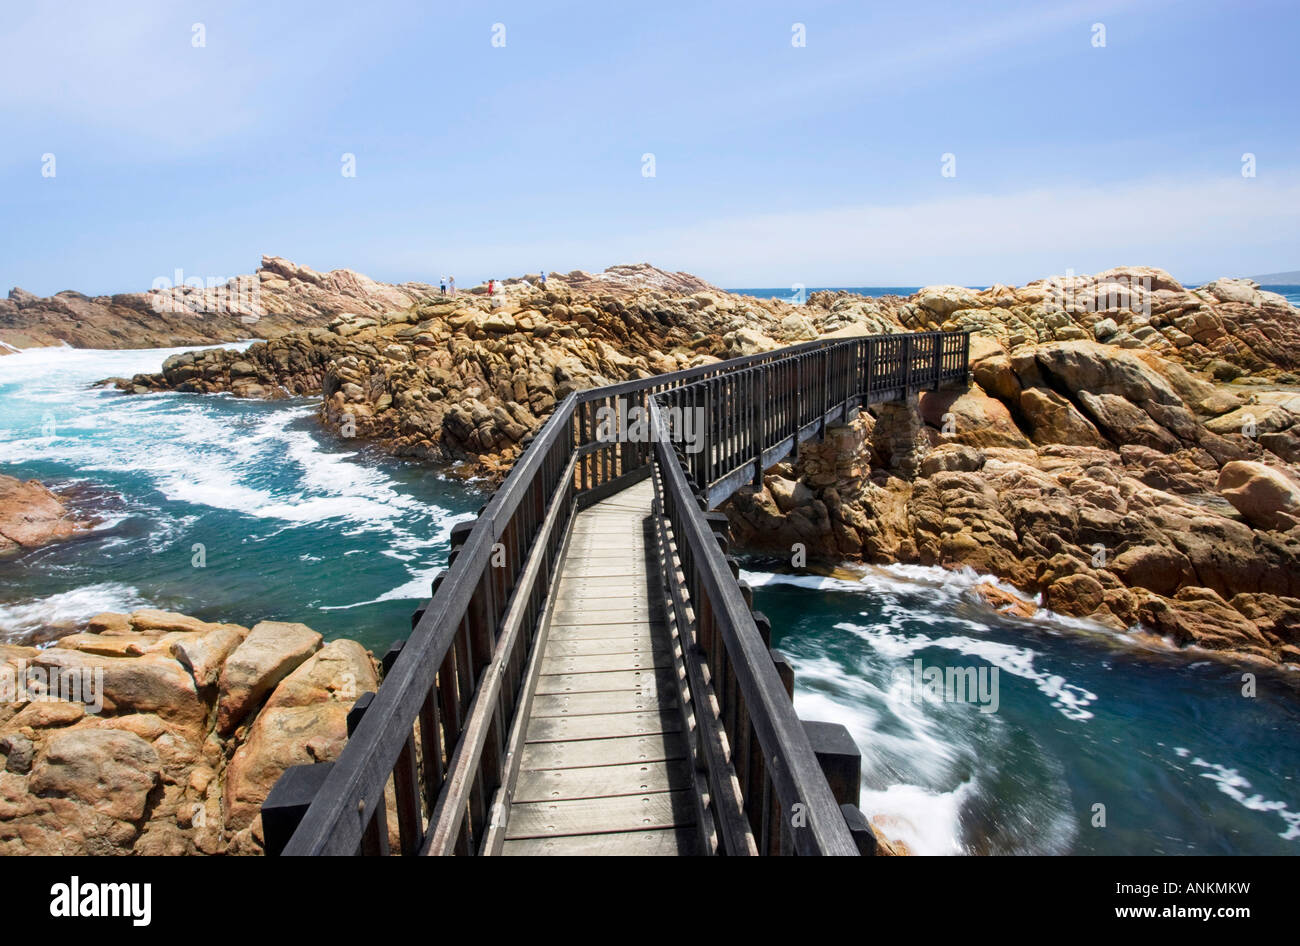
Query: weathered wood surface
[604, 764]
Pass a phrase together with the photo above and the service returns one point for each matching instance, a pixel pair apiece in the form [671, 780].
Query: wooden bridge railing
[430, 748]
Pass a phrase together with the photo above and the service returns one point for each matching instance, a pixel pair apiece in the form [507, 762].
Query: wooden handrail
[806, 809]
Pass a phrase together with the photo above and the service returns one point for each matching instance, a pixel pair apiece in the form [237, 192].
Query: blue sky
[774, 164]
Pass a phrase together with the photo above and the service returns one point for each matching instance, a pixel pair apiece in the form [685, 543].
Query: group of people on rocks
[447, 285]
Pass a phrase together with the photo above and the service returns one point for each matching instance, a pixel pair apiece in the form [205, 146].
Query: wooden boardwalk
[605, 767]
[544, 702]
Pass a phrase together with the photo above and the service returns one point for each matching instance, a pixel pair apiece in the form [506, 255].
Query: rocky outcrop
[31, 515]
[278, 297]
[467, 378]
[624, 279]
[1228, 328]
[174, 735]
[1114, 483]
[1097, 459]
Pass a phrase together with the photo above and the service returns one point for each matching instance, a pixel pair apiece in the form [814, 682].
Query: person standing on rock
[543, 279]
[442, 285]
[451, 284]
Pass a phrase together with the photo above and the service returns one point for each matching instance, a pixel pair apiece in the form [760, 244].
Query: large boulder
[110, 770]
[1104, 369]
[270, 652]
[152, 683]
[1053, 419]
[205, 655]
[304, 721]
[1267, 497]
[971, 417]
[1200, 617]
[30, 515]
[1157, 568]
[788, 494]
[1126, 423]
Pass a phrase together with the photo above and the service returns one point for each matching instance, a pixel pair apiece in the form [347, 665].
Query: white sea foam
[421, 575]
[66, 608]
[257, 459]
[191, 451]
[1232, 783]
[917, 763]
[926, 820]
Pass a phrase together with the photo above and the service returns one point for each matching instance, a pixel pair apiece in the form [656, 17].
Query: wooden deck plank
[600, 815]
[613, 569]
[580, 632]
[603, 726]
[648, 681]
[585, 753]
[632, 644]
[598, 585]
[604, 781]
[596, 704]
[602, 663]
[662, 842]
[601, 602]
[648, 615]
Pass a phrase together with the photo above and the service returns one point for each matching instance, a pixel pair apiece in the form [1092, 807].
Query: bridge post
[287, 802]
[375, 839]
[797, 407]
[938, 360]
[871, 370]
[826, 391]
[393, 652]
[863, 834]
[760, 415]
[907, 366]
[784, 671]
[705, 433]
[839, 757]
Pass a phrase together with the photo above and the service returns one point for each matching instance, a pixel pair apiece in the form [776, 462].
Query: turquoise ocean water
[294, 524]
